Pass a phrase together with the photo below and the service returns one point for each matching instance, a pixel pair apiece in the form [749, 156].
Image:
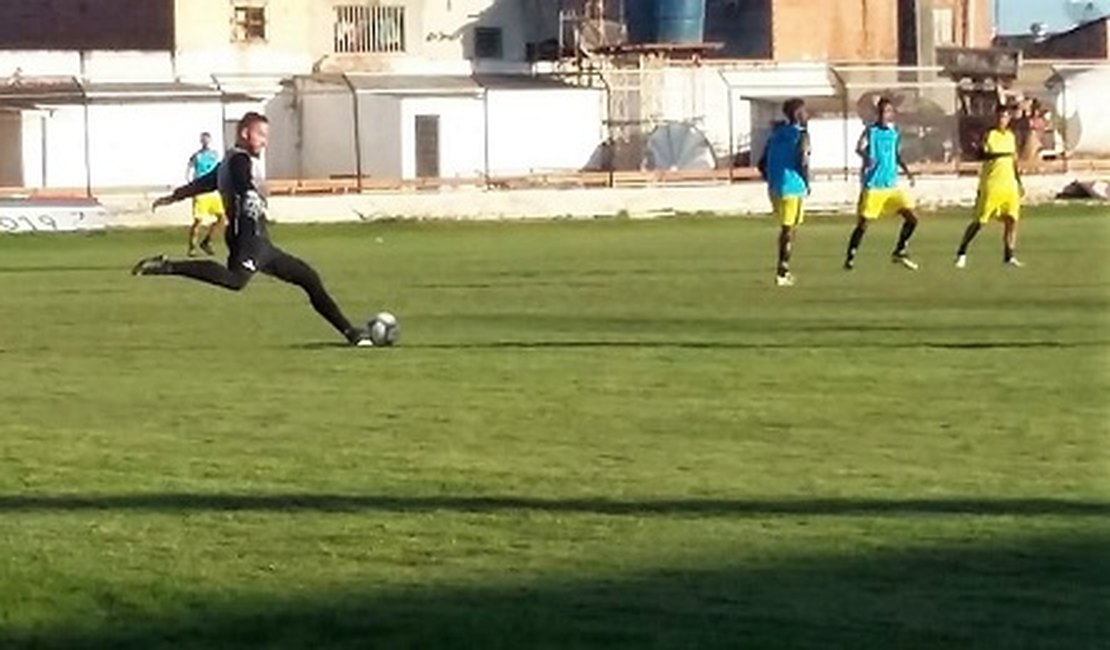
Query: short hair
[883, 102]
[205, 134]
[249, 120]
[791, 106]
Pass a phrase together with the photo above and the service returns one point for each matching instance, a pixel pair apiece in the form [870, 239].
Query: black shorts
[251, 253]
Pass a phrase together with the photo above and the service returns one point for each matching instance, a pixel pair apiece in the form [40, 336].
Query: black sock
[784, 256]
[969, 234]
[904, 237]
[1008, 254]
[854, 241]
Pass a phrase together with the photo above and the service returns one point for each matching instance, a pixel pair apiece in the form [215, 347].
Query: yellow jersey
[999, 174]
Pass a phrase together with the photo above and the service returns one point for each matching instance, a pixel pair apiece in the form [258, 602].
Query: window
[944, 32]
[365, 28]
[487, 43]
[250, 24]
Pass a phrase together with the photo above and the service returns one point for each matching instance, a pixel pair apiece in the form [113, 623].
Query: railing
[369, 29]
[558, 180]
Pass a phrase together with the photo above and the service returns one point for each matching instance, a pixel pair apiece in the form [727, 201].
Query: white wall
[283, 152]
[544, 130]
[129, 144]
[203, 31]
[65, 147]
[33, 124]
[148, 144]
[128, 66]
[530, 130]
[832, 145]
[461, 134]
[39, 63]
[380, 128]
[95, 65]
[328, 132]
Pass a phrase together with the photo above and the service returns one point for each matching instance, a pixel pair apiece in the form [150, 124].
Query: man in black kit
[240, 179]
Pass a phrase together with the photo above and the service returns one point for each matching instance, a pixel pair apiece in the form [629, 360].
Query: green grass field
[607, 434]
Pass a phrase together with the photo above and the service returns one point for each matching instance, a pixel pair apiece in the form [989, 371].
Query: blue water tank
[665, 21]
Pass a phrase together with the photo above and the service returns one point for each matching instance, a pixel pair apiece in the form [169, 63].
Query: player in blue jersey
[879, 147]
[785, 166]
[208, 209]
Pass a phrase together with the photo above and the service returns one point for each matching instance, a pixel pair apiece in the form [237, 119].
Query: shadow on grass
[727, 345]
[175, 502]
[1011, 594]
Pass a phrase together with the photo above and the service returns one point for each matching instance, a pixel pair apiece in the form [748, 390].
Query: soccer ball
[384, 329]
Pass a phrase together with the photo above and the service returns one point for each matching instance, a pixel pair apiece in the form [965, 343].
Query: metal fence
[659, 121]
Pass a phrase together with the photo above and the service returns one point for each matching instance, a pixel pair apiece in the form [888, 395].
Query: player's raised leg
[206, 271]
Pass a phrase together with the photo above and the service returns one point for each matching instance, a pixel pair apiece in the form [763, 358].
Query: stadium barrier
[477, 203]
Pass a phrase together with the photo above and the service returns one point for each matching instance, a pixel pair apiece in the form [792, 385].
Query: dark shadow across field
[183, 501]
[1042, 593]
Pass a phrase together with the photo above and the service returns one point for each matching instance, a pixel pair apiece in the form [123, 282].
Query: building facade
[855, 31]
[155, 39]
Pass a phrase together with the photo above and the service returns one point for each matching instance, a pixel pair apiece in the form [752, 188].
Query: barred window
[366, 28]
[249, 24]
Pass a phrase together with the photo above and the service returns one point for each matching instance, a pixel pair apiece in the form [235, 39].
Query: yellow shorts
[208, 207]
[788, 210]
[992, 204]
[877, 203]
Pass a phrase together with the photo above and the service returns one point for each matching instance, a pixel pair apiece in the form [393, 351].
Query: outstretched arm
[202, 185]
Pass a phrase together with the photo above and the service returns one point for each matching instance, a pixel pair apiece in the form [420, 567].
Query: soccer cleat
[785, 280]
[1014, 262]
[206, 246]
[359, 338]
[905, 261]
[849, 264]
[961, 261]
[150, 265]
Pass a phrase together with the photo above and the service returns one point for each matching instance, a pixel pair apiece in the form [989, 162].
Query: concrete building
[1087, 42]
[191, 39]
[193, 65]
[432, 126]
[886, 31]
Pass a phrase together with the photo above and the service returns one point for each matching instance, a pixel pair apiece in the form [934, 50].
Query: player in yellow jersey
[1000, 189]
